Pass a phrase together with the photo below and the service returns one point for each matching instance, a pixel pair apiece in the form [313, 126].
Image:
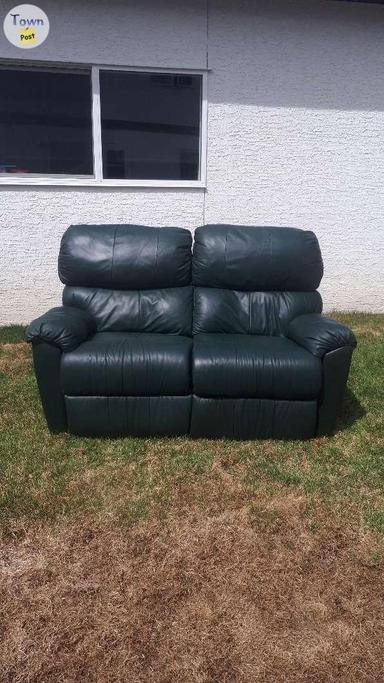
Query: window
[150, 125]
[107, 126]
[45, 122]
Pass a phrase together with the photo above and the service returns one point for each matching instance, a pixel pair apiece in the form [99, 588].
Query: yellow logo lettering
[27, 34]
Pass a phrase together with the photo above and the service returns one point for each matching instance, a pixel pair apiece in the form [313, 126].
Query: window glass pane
[150, 125]
[45, 122]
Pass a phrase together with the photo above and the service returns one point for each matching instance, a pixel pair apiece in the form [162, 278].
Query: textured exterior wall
[33, 220]
[295, 135]
[167, 33]
[296, 131]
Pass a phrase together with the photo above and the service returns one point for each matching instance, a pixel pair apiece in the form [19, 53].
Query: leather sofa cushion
[229, 311]
[168, 311]
[125, 257]
[121, 364]
[237, 365]
[256, 258]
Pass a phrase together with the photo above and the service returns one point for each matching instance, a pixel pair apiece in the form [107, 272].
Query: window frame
[96, 179]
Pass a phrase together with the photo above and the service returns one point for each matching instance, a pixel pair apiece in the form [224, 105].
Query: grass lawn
[173, 560]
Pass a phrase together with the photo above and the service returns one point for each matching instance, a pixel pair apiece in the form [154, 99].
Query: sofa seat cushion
[241, 365]
[122, 364]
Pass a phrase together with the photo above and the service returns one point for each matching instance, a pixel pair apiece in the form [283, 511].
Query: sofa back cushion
[166, 310]
[254, 280]
[236, 312]
[128, 277]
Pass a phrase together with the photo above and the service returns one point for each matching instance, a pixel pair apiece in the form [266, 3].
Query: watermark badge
[26, 26]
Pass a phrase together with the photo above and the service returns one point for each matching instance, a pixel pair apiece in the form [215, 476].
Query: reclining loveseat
[227, 341]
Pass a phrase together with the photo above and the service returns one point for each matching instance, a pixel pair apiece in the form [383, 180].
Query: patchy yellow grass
[14, 358]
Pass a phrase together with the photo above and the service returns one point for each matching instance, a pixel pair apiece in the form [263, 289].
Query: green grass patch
[12, 334]
[374, 519]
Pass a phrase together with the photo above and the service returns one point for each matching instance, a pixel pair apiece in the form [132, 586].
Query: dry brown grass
[14, 358]
[247, 595]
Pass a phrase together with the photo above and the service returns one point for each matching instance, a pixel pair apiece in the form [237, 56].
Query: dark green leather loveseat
[227, 341]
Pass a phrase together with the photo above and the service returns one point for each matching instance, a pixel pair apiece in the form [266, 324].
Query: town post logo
[26, 26]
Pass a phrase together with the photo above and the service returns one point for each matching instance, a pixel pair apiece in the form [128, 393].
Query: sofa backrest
[130, 278]
[254, 280]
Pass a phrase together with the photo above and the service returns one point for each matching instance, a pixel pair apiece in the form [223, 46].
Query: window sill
[92, 182]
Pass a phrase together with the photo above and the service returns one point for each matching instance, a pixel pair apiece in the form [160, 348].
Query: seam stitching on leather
[113, 253]
[225, 248]
[249, 313]
[157, 251]
[274, 417]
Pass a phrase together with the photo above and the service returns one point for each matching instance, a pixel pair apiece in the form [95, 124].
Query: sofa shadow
[351, 412]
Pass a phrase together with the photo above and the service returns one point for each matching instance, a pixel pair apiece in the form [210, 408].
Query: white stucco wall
[295, 123]
[296, 131]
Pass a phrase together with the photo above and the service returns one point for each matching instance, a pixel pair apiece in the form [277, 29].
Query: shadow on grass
[351, 412]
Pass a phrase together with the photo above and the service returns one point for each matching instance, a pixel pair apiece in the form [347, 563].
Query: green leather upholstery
[250, 365]
[320, 335]
[336, 366]
[252, 418]
[125, 257]
[123, 364]
[64, 327]
[168, 311]
[256, 259]
[134, 415]
[237, 312]
[227, 342]
[47, 363]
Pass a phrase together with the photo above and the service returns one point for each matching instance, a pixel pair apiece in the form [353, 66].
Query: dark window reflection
[150, 125]
[45, 122]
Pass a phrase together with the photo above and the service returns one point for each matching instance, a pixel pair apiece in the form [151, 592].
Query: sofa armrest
[319, 334]
[65, 327]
